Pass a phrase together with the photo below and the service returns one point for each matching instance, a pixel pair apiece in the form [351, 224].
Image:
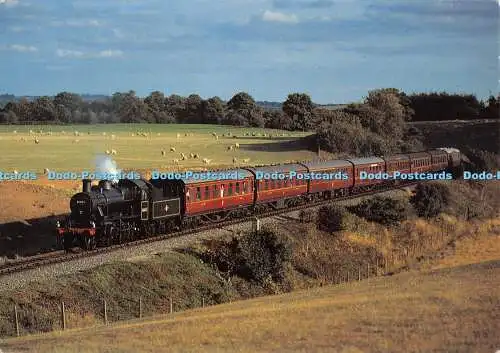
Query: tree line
[297, 112]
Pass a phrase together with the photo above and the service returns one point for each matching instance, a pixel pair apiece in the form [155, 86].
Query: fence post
[140, 307]
[63, 316]
[17, 319]
[202, 302]
[105, 313]
[171, 305]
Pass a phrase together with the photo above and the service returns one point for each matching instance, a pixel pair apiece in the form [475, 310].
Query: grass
[59, 152]
[447, 310]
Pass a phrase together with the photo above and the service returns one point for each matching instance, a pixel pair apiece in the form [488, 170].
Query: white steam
[107, 166]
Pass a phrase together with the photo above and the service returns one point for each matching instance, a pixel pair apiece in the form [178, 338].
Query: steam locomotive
[116, 212]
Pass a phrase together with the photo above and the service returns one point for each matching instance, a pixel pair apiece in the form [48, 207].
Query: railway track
[62, 256]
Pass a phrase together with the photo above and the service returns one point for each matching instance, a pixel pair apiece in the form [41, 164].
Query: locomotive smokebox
[86, 185]
[105, 184]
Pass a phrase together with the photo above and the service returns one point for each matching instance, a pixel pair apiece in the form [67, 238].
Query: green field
[61, 149]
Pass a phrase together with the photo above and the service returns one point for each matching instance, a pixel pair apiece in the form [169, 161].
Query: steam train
[115, 212]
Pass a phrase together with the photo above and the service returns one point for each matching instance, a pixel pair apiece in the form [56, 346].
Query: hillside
[455, 309]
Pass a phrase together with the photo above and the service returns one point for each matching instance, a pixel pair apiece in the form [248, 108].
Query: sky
[334, 50]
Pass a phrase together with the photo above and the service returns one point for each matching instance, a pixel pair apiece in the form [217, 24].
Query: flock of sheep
[183, 157]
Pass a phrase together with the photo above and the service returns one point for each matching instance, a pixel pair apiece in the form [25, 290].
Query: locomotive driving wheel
[89, 242]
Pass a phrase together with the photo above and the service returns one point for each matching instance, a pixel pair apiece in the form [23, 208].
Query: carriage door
[144, 210]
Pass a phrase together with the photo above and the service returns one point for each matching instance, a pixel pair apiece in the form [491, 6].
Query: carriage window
[245, 187]
[215, 195]
[187, 195]
[198, 193]
[237, 188]
[207, 193]
[230, 190]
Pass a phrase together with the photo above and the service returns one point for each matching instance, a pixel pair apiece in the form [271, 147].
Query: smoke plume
[105, 164]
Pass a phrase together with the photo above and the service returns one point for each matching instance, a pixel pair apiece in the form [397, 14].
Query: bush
[260, 256]
[332, 218]
[430, 199]
[383, 210]
[307, 216]
[482, 160]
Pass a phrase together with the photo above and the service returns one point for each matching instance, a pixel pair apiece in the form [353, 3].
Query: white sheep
[186, 134]
[175, 160]
[15, 171]
[214, 134]
[183, 157]
[191, 155]
[235, 160]
[217, 137]
[103, 134]
[108, 151]
[246, 160]
[230, 148]
[196, 156]
[113, 137]
[76, 141]
[206, 161]
[37, 141]
[172, 149]
[163, 153]
[133, 135]
[178, 135]
[113, 152]
[15, 131]
[46, 171]
[76, 133]
[236, 145]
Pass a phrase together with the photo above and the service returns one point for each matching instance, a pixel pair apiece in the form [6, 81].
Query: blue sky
[335, 50]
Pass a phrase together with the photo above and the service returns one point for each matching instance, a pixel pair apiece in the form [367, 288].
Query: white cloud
[22, 48]
[110, 53]
[271, 16]
[9, 2]
[77, 23]
[65, 53]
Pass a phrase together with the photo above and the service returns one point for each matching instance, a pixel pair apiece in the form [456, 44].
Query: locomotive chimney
[86, 185]
[105, 184]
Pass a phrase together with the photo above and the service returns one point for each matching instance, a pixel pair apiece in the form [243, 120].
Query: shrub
[307, 216]
[430, 199]
[260, 256]
[383, 210]
[332, 218]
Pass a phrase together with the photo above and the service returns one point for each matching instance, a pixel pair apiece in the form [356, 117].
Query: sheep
[254, 134]
[236, 145]
[178, 135]
[186, 134]
[235, 160]
[216, 137]
[108, 151]
[15, 131]
[103, 134]
[31, 132]
[133, 135]
[113, 152]
[23, 139]
[191, 155]
[183, 157]
[175, 161]
[206, 161]
[163, 153]
[246, 160]
[76, 141]
[37, 141]
[76, 133]
[196, 156]
[113, 137]
[15, 171]
[230, 148]
[214, 134]
[172, 149]
[46, 171]
[158, 134]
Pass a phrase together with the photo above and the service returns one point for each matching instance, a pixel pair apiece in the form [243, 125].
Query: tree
[175, 104]
[133, 109]
[213, 111]
[276, 119]
[299, 107]
[193, 109]
[71, 101]
[244, 111]
[332, 218]
[155, 101]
